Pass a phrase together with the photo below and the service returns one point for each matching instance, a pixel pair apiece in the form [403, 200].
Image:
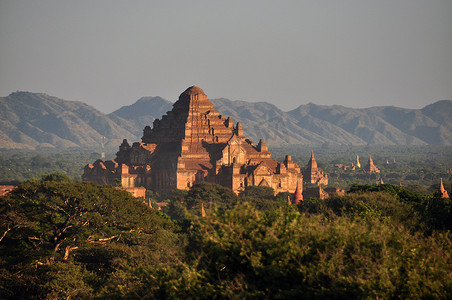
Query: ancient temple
[193, 143]
[370, 167]
[313, 174]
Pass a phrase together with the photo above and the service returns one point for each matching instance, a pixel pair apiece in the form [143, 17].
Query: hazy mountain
[365, 124]
[143, 113]
[29, 120]
[260, 120]
[314, 124]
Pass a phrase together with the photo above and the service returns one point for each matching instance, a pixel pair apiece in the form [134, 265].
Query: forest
[66, 239]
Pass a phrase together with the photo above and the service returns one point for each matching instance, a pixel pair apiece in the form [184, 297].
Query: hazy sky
[110, 53]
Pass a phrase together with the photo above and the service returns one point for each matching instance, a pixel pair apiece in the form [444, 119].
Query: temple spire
[239, 129]
[442, 190]
[312, 164]
[262, 146]
[312, 173]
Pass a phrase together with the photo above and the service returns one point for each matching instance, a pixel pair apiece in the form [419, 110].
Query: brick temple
[193, 143]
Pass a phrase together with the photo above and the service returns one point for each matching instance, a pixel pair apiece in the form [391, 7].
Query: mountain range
[39, 121]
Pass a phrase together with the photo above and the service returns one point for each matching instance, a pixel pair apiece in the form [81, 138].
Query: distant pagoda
[370, 167]
[313, 174]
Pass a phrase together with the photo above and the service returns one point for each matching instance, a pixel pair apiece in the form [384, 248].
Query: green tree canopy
[247, 253]
[259, 192]
[64, 238]
[211, 194]
[436, 212]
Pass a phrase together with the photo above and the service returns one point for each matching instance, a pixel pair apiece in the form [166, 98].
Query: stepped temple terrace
[193, 143]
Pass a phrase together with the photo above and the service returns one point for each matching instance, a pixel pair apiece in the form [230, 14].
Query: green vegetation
[419, 167]
[18, 166]
[284, 254]
[65, 239]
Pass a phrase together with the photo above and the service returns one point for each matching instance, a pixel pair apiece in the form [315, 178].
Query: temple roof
[193, 90]
[193, 98]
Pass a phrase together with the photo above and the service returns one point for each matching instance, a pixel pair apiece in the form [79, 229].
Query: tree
[56, 177]
[210, 194]
[247, 253]
[259, 192]
[432, 211]
[64, 239]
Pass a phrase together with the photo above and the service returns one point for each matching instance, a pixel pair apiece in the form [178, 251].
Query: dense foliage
[285, 254]
[67, 239]
[18, 166]
[70, 239]
[434, 211]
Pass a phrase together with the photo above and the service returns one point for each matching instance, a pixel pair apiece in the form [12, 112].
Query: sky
[110, 53]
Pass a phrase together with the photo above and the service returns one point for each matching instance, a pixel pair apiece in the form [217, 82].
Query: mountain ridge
[36, 120]
[39, 121]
